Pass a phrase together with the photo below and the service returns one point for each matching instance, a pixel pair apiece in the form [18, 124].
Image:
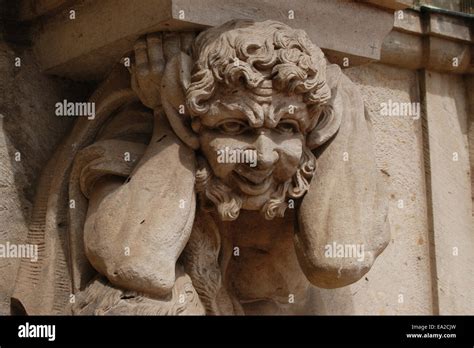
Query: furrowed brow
[239, 111]
[298, 113]
[294, 112]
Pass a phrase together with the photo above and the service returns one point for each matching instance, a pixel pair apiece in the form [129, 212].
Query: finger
[141, 57]
[187, 40]
[171, 45]
[139, 86]
[155, 52]
[149, 100]
[137, 90]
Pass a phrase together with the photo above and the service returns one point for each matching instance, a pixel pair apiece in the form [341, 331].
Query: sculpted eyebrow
[238, 112]
[297, 115]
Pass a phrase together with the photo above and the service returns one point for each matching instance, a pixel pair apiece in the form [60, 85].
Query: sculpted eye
[288, 126]
[232, 127]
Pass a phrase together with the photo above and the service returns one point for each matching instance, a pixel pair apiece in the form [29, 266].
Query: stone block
[103, 31]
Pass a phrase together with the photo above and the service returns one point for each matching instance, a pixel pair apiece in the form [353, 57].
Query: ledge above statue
[103, 31]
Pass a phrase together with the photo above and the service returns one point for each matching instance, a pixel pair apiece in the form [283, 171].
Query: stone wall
[425, 159]
[449, 191]
[426, 164]
[29, 133]
[400, 281]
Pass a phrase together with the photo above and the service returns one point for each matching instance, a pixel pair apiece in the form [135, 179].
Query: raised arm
[136, 227]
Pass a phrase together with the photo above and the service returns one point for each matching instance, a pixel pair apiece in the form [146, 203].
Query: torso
[263, 273]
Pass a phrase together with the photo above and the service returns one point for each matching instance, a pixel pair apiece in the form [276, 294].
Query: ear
[175, 82]
[345, 205]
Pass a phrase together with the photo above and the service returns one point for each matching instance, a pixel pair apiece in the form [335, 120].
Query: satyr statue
[138, 212]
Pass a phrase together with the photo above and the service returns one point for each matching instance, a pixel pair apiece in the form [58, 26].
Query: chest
[263, 271]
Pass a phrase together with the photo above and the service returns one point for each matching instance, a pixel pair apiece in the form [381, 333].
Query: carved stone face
[257, 88]
[273, 126]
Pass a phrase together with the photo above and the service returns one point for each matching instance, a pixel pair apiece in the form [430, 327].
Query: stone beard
[228, 201]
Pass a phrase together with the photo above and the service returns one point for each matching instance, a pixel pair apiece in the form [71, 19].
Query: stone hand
[152, 52]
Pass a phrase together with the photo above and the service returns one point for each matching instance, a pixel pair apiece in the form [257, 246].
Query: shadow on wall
[29, 133]
[31, 129]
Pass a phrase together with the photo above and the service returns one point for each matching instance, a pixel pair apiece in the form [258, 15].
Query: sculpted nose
[267, 155]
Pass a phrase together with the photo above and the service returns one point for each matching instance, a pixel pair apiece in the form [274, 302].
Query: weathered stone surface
[402, 49]
[408, 21]
[448, 56]
[28, 129]
[97, 51]
[392, 4]
[399, 154]
[148, 218]
[259, 236]
[31, 9]
[433, 41]
[87, 46]
[449, 27]
[450, 184]
[469, 83]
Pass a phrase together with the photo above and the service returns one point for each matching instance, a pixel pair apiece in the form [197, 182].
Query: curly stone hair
[264, 51]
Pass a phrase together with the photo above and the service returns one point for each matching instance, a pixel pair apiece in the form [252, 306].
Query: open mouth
[252, 182]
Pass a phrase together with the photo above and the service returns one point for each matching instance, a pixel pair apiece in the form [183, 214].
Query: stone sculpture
[136, 214]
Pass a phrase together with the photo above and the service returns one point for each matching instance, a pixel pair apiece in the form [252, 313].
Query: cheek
[211, 143]
[290, 152]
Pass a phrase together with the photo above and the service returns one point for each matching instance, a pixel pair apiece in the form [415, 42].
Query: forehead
[260, 108]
